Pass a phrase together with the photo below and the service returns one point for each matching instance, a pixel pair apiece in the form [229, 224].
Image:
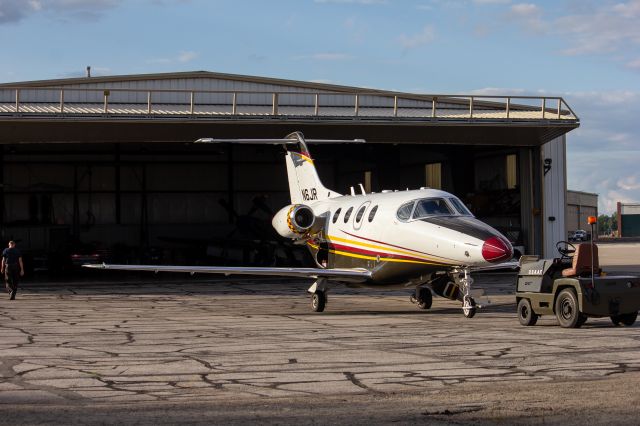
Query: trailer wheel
[629, 319]
[526, 316]
[615, 320]
[567, 312]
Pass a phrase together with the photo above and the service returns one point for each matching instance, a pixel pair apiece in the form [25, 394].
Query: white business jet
[426, 238]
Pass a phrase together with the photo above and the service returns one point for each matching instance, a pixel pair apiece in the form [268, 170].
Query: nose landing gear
[469, 306]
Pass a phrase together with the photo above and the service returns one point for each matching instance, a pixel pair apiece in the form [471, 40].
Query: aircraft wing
[350, 275]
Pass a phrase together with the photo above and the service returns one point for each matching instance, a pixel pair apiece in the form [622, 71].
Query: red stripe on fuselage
[393, 245]
[350, 249]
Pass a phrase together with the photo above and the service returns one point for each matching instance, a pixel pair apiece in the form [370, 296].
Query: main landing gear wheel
[626, 319]
[567, 312]
[469, 307]
[526, 316]
[318, 301]
[424, 298]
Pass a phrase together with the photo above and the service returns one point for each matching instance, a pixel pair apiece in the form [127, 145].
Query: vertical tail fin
[304, 184]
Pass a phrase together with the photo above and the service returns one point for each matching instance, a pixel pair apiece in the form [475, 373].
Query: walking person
[12, 268]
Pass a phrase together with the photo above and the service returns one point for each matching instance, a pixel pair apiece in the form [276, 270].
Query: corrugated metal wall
[554, 195]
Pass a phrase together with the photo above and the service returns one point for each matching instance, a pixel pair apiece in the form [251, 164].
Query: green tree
[614, 221]
[604, 224]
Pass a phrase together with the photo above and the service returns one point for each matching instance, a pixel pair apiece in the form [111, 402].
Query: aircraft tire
[470, 310]
[628, 319]
[426, 299]
[318, 301]
[526, 316]
[567, 311]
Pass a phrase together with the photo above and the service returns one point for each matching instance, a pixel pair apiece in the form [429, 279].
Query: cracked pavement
[230, 350]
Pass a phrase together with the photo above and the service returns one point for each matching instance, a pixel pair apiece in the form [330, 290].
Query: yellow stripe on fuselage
[385, 259]
[379, 247]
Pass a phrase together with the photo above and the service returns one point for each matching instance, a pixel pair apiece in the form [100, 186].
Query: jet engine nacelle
[294, 221]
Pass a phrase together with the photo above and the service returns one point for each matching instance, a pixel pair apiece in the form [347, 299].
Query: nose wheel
[469, 307]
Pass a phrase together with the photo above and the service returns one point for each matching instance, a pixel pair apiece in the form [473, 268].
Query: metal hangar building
[107, 165]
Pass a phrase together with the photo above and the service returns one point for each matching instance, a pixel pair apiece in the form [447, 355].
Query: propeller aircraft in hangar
[426, 239]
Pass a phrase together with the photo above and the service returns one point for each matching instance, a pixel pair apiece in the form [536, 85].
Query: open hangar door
[212, 204]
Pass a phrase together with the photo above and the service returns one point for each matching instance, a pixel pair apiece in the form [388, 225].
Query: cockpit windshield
[429, 207]
[460, 207]
[432, 207]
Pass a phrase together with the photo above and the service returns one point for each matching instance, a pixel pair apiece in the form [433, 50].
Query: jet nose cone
[496, 249]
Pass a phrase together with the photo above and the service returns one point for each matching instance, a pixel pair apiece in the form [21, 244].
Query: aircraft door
[360, 216]
[322, 256]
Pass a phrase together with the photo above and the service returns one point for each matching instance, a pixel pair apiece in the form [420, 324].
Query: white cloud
[500, 91]
[603, 152]
[634, 64]
[628, 10]
[182, 57]
[330, 56]
[629, 183]
[365, 2]
[17, 10]
[187, 56]
[492, 1]
[426, 36]
[530, 15]
[325, 56]
[604, 30]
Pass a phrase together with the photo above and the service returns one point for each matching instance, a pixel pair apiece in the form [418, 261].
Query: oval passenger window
[336, 215]
[372, 213]
[347, 215]
[360, 214]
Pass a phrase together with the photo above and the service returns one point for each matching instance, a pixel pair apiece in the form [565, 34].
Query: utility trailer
[573, 288]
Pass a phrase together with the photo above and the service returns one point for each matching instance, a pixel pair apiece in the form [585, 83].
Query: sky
[586, 51]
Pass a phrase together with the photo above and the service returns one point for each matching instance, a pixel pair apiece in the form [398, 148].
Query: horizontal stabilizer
[350, 275]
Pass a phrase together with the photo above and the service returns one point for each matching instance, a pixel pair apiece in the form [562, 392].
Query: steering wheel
[566, 249]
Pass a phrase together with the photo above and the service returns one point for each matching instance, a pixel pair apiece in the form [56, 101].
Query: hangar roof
[187, 105]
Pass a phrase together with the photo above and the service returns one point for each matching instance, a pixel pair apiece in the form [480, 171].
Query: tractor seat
[582, 261]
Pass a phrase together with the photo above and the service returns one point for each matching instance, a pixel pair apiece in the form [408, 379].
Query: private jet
[425, 239]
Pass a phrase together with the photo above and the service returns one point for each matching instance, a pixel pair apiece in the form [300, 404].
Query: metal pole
[395, 106]
[149, 102]
[106, 101]
[471, 107]
[191, 103]
[17, 100]
[274, 110]
[61, 100]
[357, 105]
[544, 102]
[234, 106]
[508, 106]
[316, 109]
[559, 106]
[433, 107]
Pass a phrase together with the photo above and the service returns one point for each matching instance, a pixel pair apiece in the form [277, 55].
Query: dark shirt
[11, 254]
